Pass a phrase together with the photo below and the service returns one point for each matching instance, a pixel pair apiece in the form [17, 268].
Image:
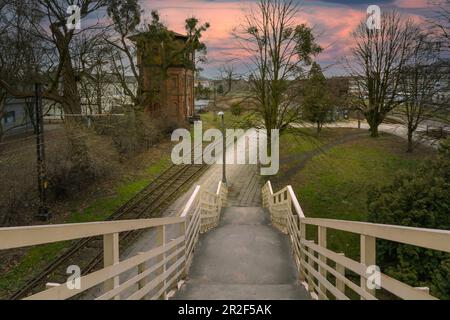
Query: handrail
[311, 258]
[426, 238]
[294, 200]
[16, 237]
[190, 202]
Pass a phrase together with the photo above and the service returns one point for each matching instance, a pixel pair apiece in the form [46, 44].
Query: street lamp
[221, 114]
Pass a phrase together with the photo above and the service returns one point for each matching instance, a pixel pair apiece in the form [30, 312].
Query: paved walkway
[395, 129]
[244, 258]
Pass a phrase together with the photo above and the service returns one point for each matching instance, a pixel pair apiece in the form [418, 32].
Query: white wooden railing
[324, 272]
[148, 275]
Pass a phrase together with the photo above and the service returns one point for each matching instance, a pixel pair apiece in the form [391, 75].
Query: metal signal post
[43, 212]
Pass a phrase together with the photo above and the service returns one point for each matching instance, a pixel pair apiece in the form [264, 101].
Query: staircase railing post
[368, 258]
[322, 236]
[110, 258]
[183, 228]
[340, 285]
[161, 242]
[302, 228]
[141, 269]
[311, 264]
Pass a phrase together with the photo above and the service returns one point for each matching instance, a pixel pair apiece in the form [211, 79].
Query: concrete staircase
[244, 258]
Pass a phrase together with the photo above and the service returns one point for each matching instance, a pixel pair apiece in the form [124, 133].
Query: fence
[325, 271]
[158, 270]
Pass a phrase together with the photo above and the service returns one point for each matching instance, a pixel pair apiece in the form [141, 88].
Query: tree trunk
[69, 80]
[410, 141]
[319, 127]
[374, 119]
[374, 131]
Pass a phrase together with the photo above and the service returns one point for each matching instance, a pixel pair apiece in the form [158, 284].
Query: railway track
[88, 253]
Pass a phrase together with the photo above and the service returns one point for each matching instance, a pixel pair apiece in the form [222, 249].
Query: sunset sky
[332, 20]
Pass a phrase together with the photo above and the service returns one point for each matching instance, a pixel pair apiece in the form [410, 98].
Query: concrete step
[193, 291]
[245, 216]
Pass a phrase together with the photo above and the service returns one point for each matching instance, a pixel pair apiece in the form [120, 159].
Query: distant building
[171, 95]
[443, 87]
[107, 96]
[204, 83]
[201, 105]
[17, 116]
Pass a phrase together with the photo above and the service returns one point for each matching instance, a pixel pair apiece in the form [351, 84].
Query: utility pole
[224, 152]
[43, 212]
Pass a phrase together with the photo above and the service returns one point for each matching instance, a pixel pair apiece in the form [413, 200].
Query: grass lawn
[333, 184]
[99, 209]
[210, 120]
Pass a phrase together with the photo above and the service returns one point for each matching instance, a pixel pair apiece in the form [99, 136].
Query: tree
[375, 65]
[228, 74]
[20, 52]
[316, 102]
[420, 84]
[220, 89]
[420, 198]
[440, 24]
[279, 48]
[126, 17]
[47, 25]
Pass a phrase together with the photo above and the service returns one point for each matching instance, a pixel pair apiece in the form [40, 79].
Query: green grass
[334, 185]
[245, 120]
[39, 256]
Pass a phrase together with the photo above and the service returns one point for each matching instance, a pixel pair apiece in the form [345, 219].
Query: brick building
[168, 95]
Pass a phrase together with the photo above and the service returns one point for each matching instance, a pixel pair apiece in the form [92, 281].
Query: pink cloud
[333, 24]
[413, 4]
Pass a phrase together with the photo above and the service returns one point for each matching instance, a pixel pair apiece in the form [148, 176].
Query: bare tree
[420, 85]
[92, 58]
[228, 73]
[440, 24]
[20, 53]
[126, 18]
[375, 65]
[279, 48]
[56, 67]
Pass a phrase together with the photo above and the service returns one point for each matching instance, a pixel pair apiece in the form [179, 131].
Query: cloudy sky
[332, 20]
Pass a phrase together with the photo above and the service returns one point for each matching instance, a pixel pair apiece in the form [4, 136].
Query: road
[395, 129]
